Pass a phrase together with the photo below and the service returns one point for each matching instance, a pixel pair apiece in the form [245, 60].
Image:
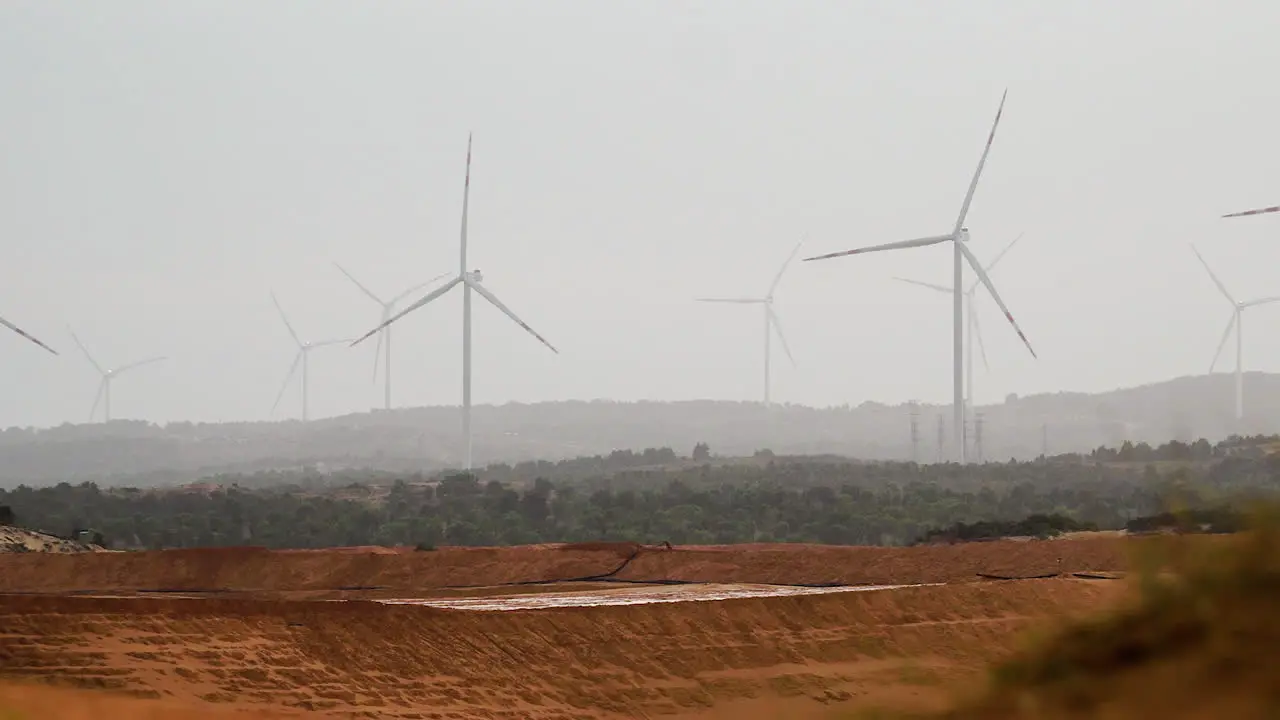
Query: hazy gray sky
[167, 164]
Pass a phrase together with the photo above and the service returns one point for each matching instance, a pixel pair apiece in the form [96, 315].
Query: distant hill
[428, 438]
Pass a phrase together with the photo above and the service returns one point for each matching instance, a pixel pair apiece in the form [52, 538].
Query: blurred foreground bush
[1199, 639]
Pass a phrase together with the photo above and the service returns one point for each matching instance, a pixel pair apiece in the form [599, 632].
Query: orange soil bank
[359, 659]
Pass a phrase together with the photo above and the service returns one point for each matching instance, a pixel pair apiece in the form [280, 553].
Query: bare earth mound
[415, 662]
[260, 571]
[25, 701]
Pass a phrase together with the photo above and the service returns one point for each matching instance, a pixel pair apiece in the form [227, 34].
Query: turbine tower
[974, 329]
[958, 237]
[1237, 318]
[304, 351]
[771, 323]
[469, 280]
[384, 337]
[104, 387]
[26, 335]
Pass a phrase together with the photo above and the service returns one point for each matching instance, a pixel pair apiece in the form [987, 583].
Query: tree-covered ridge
[125, 452]
[761, 499]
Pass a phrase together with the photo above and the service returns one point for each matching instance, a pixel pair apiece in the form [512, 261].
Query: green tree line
[762, 499]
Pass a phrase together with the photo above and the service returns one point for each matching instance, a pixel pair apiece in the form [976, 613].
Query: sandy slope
[812, 651]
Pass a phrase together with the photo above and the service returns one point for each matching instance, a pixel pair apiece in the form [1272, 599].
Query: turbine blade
[140, 363]
[777, 326]
[102, 384]
[363, 289]
[931, 286]
[418, 287]
[977, 335]
[994, 261]
[973, 184]
[377, 353]
[744, 301]
[1261, 301]
[1216, 281]
[1223, 343]
[87, 356]
[426, 299]
[466, 201]
[778, 278]
[285, 386]
[26, 335]
[991, 265]
[507, 311]
[337, 341]
[285, 319]
[918, 242]
[1259, 211]
[982, 274]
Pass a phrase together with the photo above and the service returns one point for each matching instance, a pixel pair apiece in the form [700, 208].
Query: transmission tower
[915, 432]
[977, 436]
[942, 438]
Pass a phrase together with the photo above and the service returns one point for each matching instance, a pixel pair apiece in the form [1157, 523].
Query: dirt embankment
[638, 661]
[840, 565]
[260, 570]
[19, 540]
[27, 701]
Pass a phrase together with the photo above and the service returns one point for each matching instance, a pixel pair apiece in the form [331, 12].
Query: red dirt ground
[554, 664]
[801, 656]
[258, 570]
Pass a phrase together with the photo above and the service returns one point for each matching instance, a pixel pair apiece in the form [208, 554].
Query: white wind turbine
[104, 387]
[958, 236]
[771, 322]
[469, 280]
[974, 329]
[384, 337]
[1237, 318]
[304, 351]
[26, 335]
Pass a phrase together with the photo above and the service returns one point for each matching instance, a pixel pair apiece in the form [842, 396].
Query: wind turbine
[385, 335]
[958, 237]
[771, 322]
[974, 330]
[304, 350]
[469, 280]
[1237, 317]
[26, 335]
[104, 387]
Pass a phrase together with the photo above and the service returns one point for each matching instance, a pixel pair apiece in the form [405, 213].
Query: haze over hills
[136, 452]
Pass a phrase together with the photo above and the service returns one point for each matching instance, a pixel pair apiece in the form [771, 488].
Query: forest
[655, 496]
